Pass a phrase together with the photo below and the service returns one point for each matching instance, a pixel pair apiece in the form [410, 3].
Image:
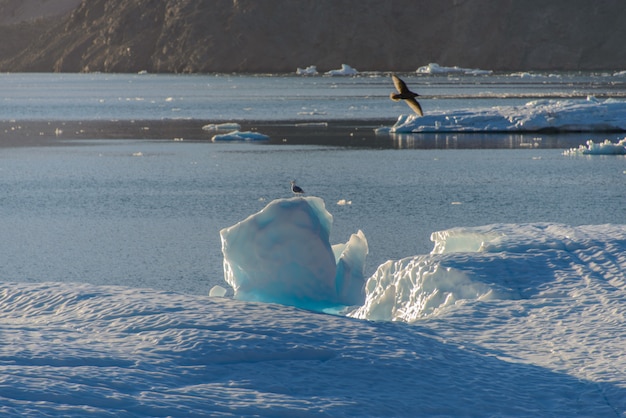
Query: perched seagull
[296, 189]
[405, 94]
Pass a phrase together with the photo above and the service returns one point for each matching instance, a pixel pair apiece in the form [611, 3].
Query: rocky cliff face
[280, 35]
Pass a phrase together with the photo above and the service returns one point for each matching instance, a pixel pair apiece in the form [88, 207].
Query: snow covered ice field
[494, 282]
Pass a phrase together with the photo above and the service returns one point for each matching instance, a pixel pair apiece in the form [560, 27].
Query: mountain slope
[280, 35]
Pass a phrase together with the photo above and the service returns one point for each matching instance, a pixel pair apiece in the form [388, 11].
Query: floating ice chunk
[591, 115]
[236, 136]
[224, 127]
[310, 70]
[312, 125]
[603, 148]
[433, 68]
[282, 254]
[313, 112]
[217, 292]
[344, 70]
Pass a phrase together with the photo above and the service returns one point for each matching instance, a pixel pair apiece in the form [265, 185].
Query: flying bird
[296, 189]
[405, 94]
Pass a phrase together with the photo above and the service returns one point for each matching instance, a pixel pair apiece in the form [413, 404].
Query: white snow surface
[591, 115]
[498, 320]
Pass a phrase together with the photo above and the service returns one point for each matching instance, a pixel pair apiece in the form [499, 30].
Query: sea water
[148, 213]
[271, 97]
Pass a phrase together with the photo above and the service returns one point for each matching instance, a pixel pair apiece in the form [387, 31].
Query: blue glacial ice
[238, 136]
[282, 254]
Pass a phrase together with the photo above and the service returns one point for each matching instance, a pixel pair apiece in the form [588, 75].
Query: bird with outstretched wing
[405, 94]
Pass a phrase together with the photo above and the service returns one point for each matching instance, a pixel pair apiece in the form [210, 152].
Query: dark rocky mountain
[280, 35]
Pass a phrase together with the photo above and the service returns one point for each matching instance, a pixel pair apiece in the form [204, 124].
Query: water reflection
[364, 135]
[485, 141]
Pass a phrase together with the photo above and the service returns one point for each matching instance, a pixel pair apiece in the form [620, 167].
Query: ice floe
[237, 136]
[434, 68]
[222, 127]
[344, 70]
[601, 148]
[310, 70]
[590, 115]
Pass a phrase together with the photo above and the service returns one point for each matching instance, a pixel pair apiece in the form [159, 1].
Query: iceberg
[603, 148]
[237, 136]
[282, 254]
[433, 68]
[310, 70]
[344, 70]
[590, 115]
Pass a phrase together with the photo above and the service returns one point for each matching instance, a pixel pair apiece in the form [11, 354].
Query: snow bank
[603, 148]
[282, 254]
[237, 136]
[495, 262]
[344, 70]
[75, 350]
[433, 68]
[590, 115]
